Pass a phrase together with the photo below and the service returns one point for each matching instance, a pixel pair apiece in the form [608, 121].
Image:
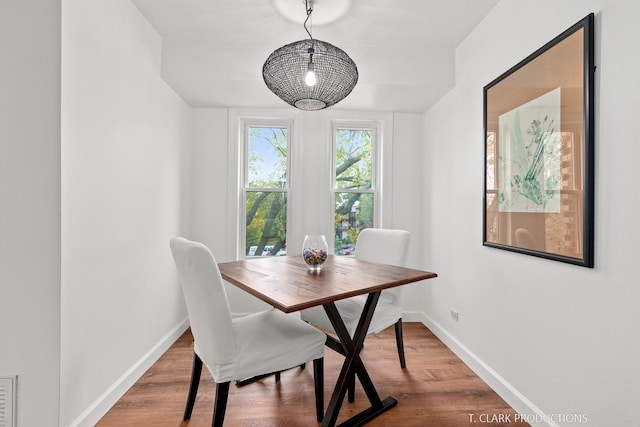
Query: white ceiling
[213, 50]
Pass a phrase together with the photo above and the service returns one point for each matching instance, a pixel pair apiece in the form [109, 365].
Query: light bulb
[311, 78]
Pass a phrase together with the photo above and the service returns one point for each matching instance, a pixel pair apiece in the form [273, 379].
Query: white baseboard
[510, 394]
[101, 406]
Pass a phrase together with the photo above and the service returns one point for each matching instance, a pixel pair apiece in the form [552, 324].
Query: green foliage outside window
[354, 171]
[267, 186]
[266, 195]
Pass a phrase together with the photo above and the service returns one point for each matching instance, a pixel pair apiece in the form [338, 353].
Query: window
[290, 177]
[355, 188]
[265, 189]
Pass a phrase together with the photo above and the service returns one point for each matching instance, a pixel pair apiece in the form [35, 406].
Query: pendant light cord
[309, 10]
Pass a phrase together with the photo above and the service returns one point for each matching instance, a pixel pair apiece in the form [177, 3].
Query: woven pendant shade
[285, 69]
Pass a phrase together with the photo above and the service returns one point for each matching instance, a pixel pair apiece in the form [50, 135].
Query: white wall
[30, 205]
[564, 337]
[404, 197]
[125, 192]
[215, 180]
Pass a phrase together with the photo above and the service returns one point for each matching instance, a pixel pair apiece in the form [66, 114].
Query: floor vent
[8, 387]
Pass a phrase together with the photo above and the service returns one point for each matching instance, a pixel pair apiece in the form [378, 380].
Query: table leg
[350, 348]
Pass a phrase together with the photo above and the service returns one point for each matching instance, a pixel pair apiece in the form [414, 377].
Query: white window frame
[375, 126]
[245, 125]
[310, 132]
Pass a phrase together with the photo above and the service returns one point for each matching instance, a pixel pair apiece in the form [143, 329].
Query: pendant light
[310, 74]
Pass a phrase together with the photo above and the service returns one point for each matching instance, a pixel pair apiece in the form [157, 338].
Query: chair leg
[196, 370]
[318, 381]
[247, 381]
[400, 343]
[220, 405]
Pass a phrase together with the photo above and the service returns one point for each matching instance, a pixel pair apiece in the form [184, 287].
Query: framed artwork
[539, 151]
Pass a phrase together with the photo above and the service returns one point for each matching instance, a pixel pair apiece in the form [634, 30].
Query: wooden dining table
[285, 283]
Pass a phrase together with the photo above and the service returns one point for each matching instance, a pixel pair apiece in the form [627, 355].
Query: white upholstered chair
[380, 246]
[238, 348]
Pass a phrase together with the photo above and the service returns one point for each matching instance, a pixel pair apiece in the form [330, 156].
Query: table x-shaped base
[350, 348]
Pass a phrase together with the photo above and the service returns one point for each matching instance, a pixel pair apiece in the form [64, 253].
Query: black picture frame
[539, 152]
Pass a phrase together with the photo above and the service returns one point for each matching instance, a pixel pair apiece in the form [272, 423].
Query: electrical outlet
[454, 315]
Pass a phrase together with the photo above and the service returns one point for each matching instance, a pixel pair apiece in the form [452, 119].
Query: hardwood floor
[436, 389]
